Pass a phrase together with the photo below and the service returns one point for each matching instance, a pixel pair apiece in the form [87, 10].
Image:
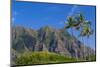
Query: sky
[36, 15]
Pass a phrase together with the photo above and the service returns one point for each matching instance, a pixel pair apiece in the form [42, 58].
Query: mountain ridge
[48, 39]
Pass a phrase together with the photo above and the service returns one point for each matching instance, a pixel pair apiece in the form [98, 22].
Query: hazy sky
[37, 15]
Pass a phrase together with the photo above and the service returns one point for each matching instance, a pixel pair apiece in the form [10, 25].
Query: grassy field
[42, 57]
[45, 57]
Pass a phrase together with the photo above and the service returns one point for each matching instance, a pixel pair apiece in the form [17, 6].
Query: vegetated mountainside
[48, 39]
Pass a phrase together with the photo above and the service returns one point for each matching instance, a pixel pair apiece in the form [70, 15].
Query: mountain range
[47, 39]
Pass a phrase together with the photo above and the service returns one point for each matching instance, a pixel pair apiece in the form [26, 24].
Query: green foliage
[42, 57]
[91, 58]
[80, 24]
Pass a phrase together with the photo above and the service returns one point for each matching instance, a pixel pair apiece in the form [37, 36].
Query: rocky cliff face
[48, 39]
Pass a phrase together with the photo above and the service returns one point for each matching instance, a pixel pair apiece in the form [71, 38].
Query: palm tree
[83, 26]
[87, 30]
[80, 24]
[75, 22]
[71, 23]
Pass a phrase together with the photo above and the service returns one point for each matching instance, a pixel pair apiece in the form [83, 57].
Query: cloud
[13, 19]
[72, 10]
[13, 16]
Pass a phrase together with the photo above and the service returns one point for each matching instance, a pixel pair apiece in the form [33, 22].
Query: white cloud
[72, 10]
[13, 19]
[14, 15]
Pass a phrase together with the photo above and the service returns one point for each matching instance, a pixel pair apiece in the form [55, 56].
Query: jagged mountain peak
[48, 39]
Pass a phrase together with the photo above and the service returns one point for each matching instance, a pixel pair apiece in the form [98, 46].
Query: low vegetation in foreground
[42, 57]
[45, 57]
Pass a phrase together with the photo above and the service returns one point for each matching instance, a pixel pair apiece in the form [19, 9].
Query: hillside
[48, 39]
